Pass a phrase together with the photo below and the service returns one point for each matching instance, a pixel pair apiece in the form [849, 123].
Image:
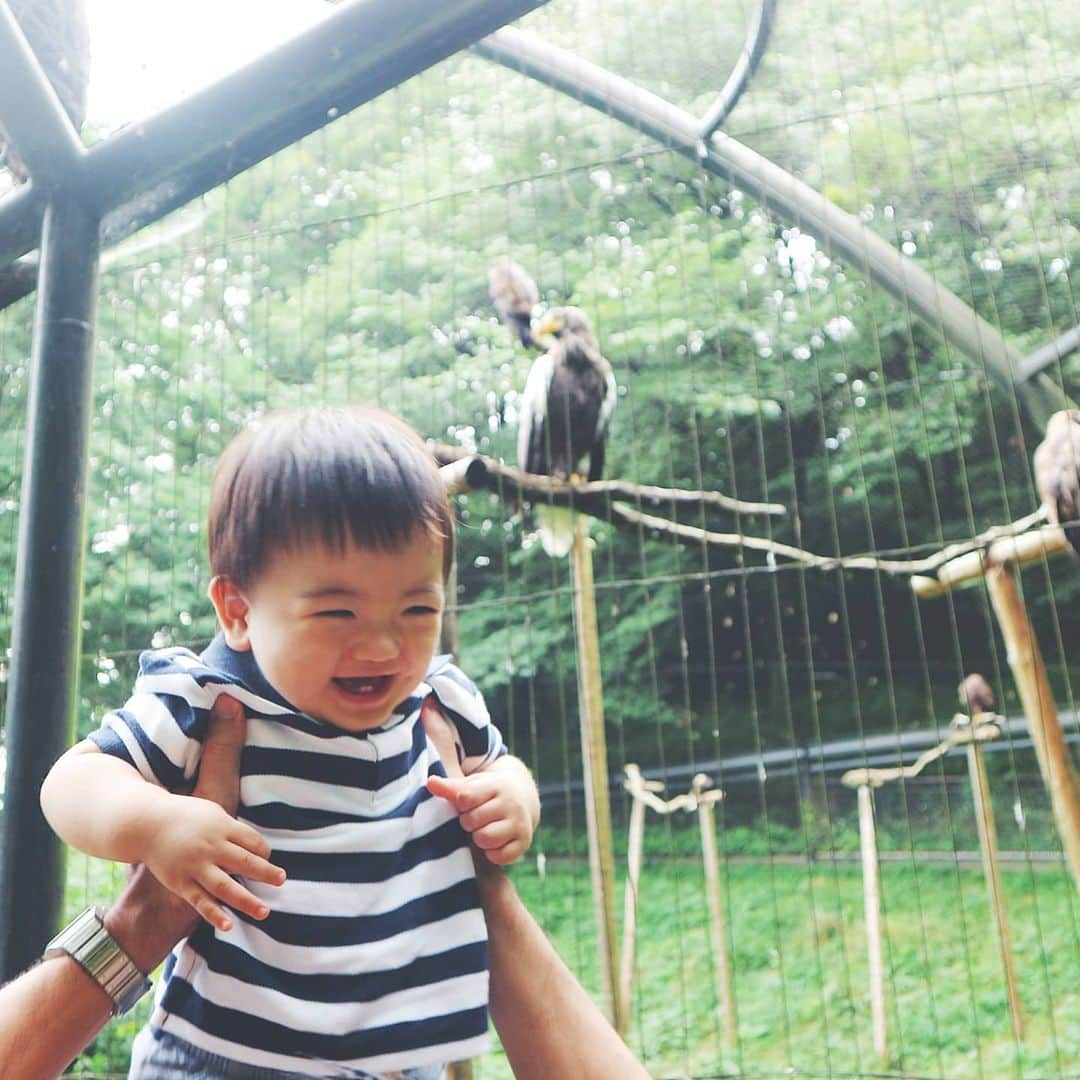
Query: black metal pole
[48, 577]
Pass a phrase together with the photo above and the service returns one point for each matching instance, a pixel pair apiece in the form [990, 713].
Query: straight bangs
[329, 476]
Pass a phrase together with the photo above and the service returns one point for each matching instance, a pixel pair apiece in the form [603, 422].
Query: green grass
[799, 968]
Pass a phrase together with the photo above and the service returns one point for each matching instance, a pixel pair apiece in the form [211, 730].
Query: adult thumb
[442, 735]
[219, 768]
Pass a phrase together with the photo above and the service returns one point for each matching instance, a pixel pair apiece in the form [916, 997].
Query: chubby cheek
[423, 645]
[293, 666]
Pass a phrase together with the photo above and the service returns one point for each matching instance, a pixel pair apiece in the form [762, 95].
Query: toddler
[343, 932]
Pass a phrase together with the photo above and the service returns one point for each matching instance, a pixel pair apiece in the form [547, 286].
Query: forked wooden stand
[646, 794]
[995, 565]
[865, 781]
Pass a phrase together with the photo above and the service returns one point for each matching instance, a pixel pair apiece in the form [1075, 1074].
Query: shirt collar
[242, 667]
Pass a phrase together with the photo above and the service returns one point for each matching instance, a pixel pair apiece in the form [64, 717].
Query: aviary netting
[850, 302]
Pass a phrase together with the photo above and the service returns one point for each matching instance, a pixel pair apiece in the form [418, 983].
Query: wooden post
[988, 845]
[872, 910]
[594, 760]
[633, 878]
[1029, 671]
[717, 920]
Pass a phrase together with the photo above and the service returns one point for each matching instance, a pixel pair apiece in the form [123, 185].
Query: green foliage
[750, 360]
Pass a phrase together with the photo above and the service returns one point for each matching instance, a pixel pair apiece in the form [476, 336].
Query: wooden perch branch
[607, 500]
[645, 791]
[593, 498]
[964, 733]
[1003, 549]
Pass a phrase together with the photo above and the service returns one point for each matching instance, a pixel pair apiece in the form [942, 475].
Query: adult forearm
[49, 1014]
[548, 1024]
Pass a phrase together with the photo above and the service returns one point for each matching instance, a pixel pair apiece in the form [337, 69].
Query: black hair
[329, 475]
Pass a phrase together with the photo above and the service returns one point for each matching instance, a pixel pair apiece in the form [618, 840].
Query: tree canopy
[353, 266]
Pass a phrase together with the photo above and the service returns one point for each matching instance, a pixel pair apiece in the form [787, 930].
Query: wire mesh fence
[751, 359]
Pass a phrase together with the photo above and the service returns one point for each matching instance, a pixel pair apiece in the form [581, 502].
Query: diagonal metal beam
[1053, 353]
[358, 52]
[840, 232]
[37, 125]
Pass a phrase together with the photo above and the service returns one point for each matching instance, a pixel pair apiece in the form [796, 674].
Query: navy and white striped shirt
[374, 955]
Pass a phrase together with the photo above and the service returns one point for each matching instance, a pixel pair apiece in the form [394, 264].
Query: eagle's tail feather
[555, 524]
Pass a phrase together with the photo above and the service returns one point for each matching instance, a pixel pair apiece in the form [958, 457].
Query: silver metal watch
[97, 952]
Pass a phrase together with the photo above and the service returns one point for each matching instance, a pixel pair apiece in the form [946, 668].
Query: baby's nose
[376, 644]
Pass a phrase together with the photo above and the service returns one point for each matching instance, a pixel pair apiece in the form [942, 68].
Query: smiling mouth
[371, 686]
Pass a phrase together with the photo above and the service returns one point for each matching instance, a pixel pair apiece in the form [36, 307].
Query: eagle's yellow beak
[545, 328]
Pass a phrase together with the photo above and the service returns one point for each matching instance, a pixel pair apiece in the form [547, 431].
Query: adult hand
[499, 807]
[147, 919]
[447, 742]
[443, 736]
[52, 1011]
[547, 1023]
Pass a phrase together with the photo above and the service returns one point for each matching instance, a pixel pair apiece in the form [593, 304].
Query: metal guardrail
[816, 759]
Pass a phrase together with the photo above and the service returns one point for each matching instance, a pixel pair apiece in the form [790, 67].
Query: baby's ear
[231, 606]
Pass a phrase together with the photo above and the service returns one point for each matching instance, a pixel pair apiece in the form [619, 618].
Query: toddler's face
[344, 636]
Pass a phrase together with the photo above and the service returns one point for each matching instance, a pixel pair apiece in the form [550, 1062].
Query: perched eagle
[566, 410]
[59, 34]
[1057, 472]
[976, 695]
[514, 295]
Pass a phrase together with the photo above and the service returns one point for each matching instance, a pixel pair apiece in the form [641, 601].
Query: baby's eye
[335, 613]
[422, 609]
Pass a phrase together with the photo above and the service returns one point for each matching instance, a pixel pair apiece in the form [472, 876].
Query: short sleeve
[161, 728]
[464, 706]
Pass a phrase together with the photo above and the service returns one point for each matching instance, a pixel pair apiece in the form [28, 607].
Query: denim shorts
[158, 1055]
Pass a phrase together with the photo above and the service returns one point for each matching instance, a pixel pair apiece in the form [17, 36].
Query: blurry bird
[566, 410]
[59, 34]
[976, 695]
[514, 295]
[1057, 472]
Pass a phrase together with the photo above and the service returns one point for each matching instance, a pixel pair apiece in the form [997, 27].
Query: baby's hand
[196, 845]
[498, 805]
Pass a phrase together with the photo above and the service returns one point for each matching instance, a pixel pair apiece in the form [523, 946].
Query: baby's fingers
[494, 835]
[207, 908]
[231, 892]
[246, 837]
[508, 853]
[485, 814]
[238, 860]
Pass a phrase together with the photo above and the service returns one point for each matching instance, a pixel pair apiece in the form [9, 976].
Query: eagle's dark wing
[583, 390]
[514, 295]
[59, 34]
[1057, 471]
